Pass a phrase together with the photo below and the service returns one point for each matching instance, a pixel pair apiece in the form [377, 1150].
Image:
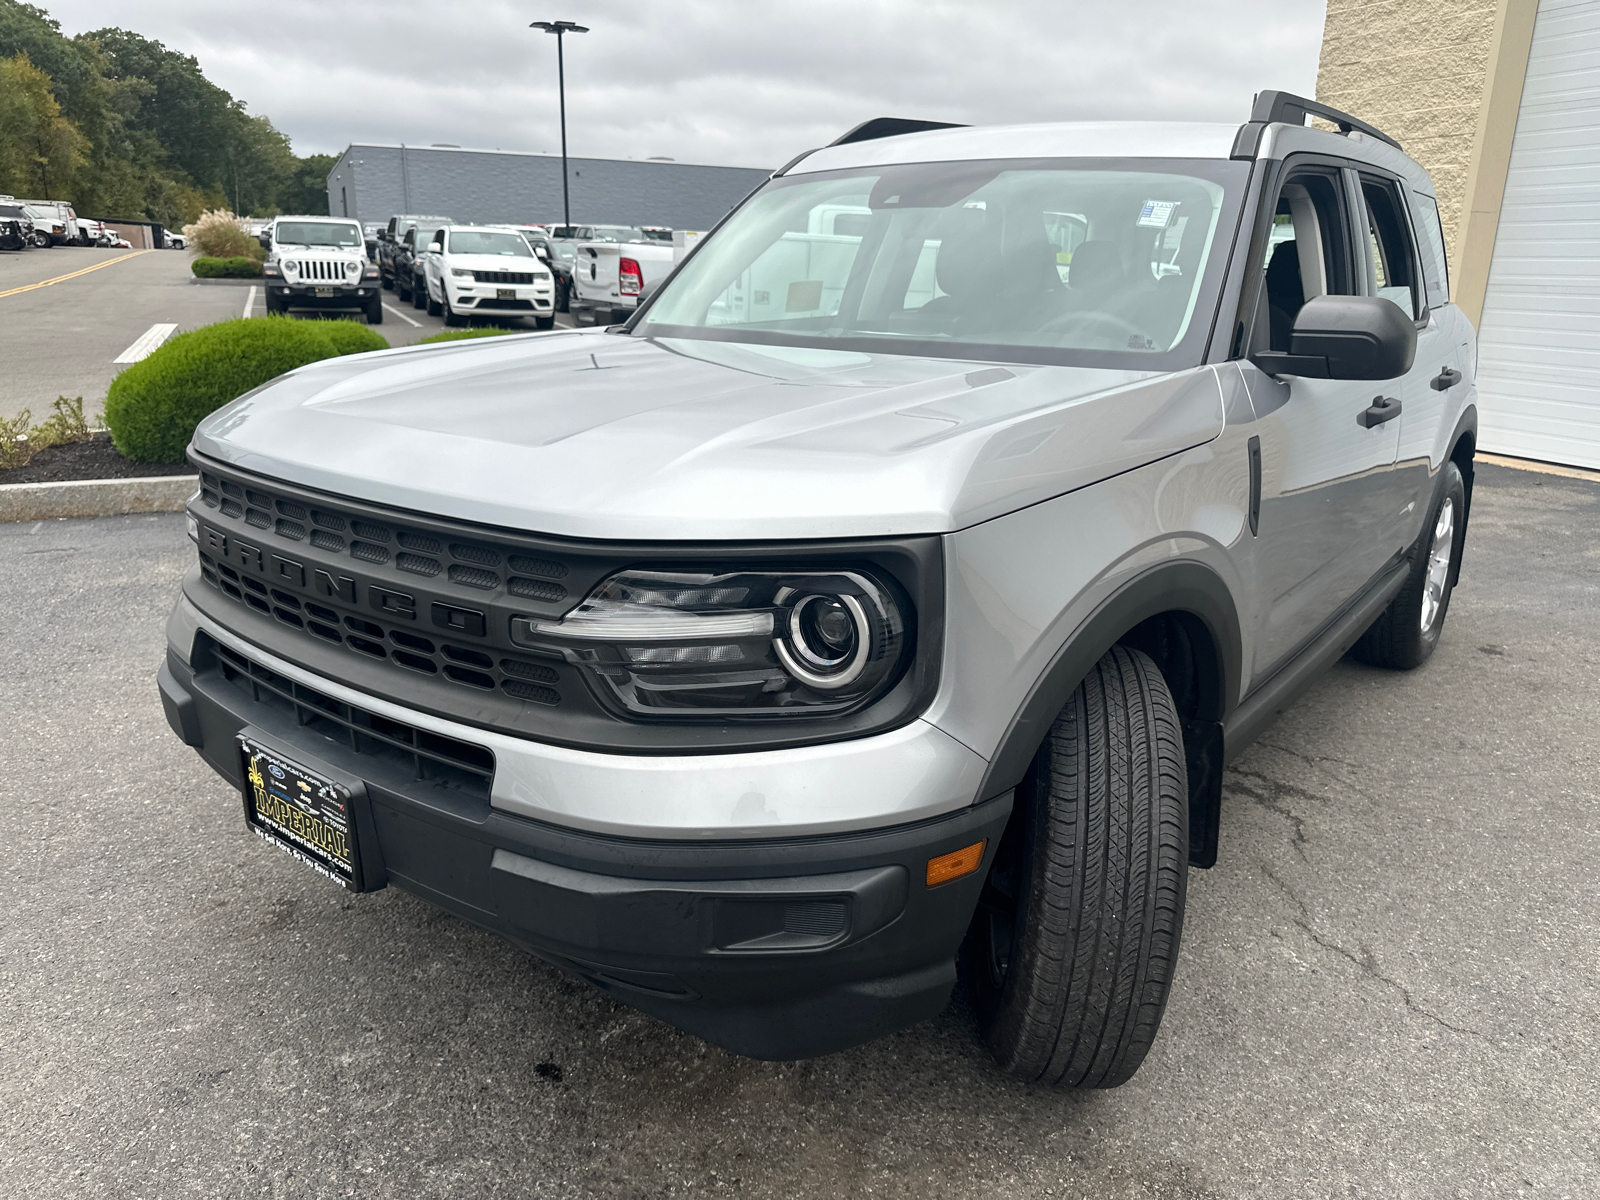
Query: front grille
[491, 302]
[427, 757]
[366, 634]
[468, 568]
[503, 276]
[320, 270]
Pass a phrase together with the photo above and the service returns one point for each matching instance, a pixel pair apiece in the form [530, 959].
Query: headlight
[459, 273]
[541, 276]
[289, 268]
[352, 268]
[751, 643]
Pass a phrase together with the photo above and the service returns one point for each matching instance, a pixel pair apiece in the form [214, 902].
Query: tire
[375, 311]
[545, 322]
[1070, 975]
[419, 294]
[401, 290]
[388, 284]
[563, 294]
[1406, 633]
[435, 308]
[451, 316]
[41, 240]
[276, 306]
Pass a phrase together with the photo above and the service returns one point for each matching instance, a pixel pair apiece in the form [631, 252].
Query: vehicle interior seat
[1285, 292]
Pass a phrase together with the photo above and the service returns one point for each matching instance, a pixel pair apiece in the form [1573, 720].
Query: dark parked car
[389, 242]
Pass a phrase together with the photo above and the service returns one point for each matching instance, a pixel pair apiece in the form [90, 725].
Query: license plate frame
[324, 292]
[505, 293]
[315, 814]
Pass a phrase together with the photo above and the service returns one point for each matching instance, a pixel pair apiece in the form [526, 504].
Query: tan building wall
[1416, 70]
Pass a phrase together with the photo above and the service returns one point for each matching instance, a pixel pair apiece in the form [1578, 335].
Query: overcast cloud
[731, 82]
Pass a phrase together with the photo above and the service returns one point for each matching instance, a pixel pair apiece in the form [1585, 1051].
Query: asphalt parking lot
[68, 313]
[1388, 986]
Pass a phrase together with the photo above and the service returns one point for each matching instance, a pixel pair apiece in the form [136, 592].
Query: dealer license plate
[324, 291]
[505, 293]
[300, 812]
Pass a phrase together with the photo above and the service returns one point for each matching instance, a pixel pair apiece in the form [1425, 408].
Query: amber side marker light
[956, 864]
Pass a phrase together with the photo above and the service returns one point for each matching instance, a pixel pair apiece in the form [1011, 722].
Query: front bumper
[483, 297]
[302, 296]
[774, 947]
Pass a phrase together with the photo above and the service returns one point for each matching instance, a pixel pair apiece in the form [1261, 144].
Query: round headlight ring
[815, 669]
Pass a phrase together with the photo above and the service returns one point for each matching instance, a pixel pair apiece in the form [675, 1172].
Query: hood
[494, 262]
[588, 435]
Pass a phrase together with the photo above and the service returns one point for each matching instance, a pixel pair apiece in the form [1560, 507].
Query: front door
[1328, 491]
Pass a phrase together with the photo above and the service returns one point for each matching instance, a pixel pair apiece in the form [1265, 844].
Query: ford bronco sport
[887, 595]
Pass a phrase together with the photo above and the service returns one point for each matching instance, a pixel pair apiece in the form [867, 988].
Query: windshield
[511, 245]
[318, 233]
[1097, 263]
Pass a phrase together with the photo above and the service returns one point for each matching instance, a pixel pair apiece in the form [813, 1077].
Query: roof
[414, 149]
[1077, 139]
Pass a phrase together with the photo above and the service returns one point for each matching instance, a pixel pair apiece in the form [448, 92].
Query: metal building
[372, 182]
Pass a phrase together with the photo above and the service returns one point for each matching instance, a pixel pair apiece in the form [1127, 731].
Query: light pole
[561, 29]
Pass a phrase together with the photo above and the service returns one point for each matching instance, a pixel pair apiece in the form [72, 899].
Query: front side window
[319, 233]
[470, 241]
[1308, 253]
[1112, 263]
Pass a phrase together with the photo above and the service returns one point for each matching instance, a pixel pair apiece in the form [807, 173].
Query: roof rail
[882, 127]
[1272, 107]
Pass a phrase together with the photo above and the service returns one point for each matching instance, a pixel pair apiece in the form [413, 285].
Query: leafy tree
[41, 152]
[307, 189]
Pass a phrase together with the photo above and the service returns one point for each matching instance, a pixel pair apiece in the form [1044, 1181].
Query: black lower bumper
[774, 949]
[304, 297]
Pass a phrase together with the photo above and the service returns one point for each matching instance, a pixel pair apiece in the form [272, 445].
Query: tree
[307, 189]
[41, 152]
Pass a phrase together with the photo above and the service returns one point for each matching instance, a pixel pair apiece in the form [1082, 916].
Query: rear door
[1327, 479]
[1394, 271]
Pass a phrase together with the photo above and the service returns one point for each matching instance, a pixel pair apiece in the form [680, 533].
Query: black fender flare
[1466, 426]
[1184, 587]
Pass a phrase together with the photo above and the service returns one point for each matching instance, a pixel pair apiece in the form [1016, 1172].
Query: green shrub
[240, 267]
[209, 268]
[154, 405]
[352, 337]
[456, 335]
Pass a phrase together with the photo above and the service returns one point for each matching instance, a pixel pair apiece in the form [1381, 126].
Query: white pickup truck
[608, 277]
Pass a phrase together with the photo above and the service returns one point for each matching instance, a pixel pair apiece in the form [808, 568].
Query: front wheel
[42, 240]
[1406, 633]
[375, 310]
[1071, 953]
[388, 284]
[545, 322]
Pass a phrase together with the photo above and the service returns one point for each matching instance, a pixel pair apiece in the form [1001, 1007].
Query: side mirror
[266, 241]
[1346, 337]
[541, 252]
[435, 248]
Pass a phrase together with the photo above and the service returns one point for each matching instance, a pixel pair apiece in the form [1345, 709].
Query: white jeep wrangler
[320, 262]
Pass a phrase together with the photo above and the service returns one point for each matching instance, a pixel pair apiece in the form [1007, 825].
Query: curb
[95, 497]
[252, 282]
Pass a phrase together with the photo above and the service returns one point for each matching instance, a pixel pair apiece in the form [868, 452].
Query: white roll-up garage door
[1539, 339]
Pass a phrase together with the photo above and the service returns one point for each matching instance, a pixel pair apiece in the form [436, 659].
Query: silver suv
[882, 602]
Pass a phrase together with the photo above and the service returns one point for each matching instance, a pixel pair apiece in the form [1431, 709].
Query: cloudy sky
[733, 82]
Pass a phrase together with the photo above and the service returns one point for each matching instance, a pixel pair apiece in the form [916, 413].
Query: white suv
[476, 269]
[320, 262]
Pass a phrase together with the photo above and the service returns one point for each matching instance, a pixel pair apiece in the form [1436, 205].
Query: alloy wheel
[1444, 540]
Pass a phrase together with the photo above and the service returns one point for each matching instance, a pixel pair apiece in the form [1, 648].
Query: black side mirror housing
[1346, 337]
[265, 240]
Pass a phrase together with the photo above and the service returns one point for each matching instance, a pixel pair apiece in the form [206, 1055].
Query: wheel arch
[1181, 614]
[1463, 445]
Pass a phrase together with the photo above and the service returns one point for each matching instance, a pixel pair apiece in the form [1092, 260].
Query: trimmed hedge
[154, 405]
[456, 335]
[226, 268]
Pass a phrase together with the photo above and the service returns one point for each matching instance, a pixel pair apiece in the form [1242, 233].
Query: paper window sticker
[1173, 237]
[1156, 213]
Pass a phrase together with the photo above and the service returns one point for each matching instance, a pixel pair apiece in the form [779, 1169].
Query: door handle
[1383, 408]
[1446, 379]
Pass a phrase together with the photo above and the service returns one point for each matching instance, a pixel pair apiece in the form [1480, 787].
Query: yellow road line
[1542, 468]
[73, 274]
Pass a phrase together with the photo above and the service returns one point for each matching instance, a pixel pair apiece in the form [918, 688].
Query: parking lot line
[72, 274]
[402, 316]
[146, 342]
[249, 300]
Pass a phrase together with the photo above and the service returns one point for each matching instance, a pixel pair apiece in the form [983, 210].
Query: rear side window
[1389, 247]
[1430, 240]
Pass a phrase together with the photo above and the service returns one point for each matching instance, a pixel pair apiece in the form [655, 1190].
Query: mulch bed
[95, 459]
